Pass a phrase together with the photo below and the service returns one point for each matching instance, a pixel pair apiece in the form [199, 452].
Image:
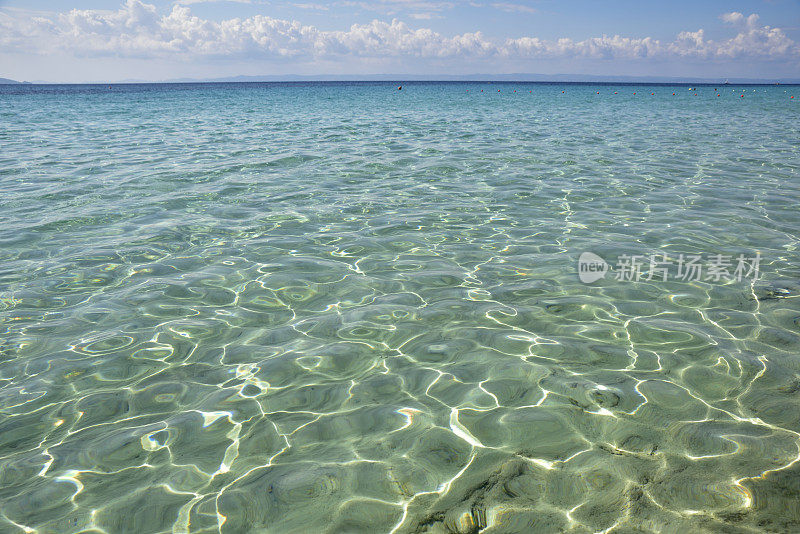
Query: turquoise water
[347, 308]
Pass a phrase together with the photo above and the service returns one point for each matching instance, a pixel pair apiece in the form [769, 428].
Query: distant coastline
[500, 78]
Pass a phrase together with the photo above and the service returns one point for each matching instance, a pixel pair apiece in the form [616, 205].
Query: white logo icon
[591, 267]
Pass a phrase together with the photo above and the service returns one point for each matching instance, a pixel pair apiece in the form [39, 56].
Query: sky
[91, 40]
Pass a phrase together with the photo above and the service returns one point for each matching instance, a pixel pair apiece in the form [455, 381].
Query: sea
[391, 307]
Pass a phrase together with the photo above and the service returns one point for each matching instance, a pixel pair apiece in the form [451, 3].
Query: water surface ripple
[346, 308]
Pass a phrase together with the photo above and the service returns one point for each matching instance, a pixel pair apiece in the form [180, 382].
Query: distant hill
[519, 77]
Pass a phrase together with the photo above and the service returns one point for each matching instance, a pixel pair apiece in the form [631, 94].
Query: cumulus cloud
[738, 19]
[605, 47]
[138, 29]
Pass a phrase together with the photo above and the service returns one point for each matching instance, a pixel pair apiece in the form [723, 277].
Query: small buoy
[695, 94]
[400, 88]
[742, 96]
[652, 93]
[791, 97]
[562, 92]
[673, 94]
[634, 92]
[615, 92]
[598, 92]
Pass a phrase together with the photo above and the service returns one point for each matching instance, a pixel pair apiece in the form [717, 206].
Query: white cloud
[139, 30]
[604, 47]
[192, 2]
[737, 19]
[313, 7]
[424, 16]
[513, 8]
[393, 7]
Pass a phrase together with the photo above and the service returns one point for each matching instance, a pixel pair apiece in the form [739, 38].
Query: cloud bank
[139, 30]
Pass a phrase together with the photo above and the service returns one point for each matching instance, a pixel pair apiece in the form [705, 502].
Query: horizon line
[411, 78]
[392, 81]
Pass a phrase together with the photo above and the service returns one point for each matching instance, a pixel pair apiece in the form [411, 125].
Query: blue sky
[154, 39]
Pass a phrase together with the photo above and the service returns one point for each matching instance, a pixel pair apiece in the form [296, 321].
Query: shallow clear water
[347, 308]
